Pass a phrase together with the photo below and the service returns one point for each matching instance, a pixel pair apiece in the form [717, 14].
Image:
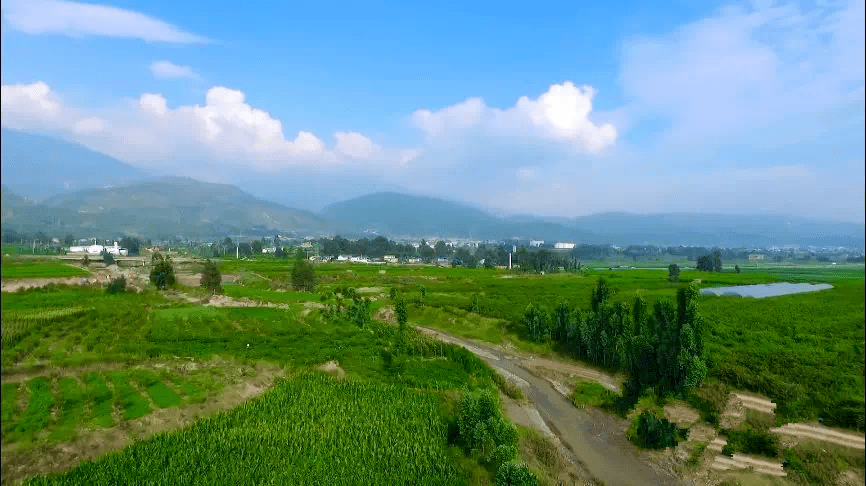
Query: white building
[563, 246]
[98, 249]
[536, 243]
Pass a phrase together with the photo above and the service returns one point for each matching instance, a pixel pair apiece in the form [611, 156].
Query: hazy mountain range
[59, 187]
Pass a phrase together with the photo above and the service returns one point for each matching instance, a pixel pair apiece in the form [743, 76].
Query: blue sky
[549, 108]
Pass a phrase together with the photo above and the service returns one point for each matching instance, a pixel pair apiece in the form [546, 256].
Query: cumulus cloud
[561, 114]
[76, 19]
[225, 130]
[355, 145]
[29, 105]
[168, 70]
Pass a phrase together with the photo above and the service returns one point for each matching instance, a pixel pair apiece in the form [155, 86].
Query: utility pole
[238, 252]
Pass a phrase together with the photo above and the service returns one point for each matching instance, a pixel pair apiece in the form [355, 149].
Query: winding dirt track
[593, 439]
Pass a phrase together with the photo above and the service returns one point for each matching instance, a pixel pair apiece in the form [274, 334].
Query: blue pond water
[760, 291]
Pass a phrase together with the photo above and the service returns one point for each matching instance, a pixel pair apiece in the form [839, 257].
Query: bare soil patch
[333, 368]
[385, 314]
[819, 432]
[754, 401]
[559, 370]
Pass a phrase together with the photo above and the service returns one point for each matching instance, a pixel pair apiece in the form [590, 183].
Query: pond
[765, 290]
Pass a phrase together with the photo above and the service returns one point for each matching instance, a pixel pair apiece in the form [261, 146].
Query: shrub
[117, 285]
[162, 273]
[482, 429]
[655, 433]
[303, 275]
[512, 474]
[211, 278]
[751, 442]
[710, 399]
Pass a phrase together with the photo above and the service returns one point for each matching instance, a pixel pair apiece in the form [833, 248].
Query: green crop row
[307, 430]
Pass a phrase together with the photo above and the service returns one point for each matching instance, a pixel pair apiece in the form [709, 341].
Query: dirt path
[91, 444]
[822, 433]
[742, 461]
[592, 440]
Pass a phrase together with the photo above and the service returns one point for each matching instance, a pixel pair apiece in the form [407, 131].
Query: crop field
[77, 359]
[308, 430]
[39, 268]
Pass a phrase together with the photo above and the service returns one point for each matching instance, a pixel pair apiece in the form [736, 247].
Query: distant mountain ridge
[38, 166]
[168, 206]
[406, 215]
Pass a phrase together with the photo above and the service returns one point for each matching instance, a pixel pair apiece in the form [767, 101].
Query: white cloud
[561, 114]
[152, 103]
[355, 145]
[224, 131]
[75, 19]
[89, 126]
[768, 75]
[29, 105]
[168, 69]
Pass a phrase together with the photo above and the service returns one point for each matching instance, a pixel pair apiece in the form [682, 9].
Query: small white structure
[390, 259]
[98, 249]
[756, 256]
[536, 243]
[563, 246]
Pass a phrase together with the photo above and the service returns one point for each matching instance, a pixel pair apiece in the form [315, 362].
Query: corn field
[17, 323]
[308, 430]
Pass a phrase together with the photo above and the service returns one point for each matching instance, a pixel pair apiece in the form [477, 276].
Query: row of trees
[660, 347]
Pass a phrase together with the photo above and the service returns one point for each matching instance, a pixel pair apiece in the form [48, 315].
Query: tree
[423, 291]
[705, 263]
[162, 271]
[717, 261]
[674, 272]
[402, 312]
[68, 240]
[256, 246]
[303, 275]
[536, 323]
[85, 261]
[107, 258]
[737, 268]
[211, 278]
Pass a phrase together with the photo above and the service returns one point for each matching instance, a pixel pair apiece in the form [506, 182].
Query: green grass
[39, 268]
[71, 401]
[162, 395]
[37, 415]
[591, 394]
[271, 296]
[100, 400]
[126, 397]
[308, 430]
[10, 410]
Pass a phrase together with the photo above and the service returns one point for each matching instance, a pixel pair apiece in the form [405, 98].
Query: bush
[107, 258]
[848, 414]
[512, 474]
[482, 429]
[710, 400]
[655, 433]
[162, 273]
[211, 278]
[303, 275]
[751, 442]
[116, 285]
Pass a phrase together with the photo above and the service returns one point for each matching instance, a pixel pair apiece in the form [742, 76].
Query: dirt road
[594, 439]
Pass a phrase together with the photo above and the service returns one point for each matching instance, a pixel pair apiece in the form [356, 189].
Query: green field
[20, 267]
[804, 351]
[308, 430]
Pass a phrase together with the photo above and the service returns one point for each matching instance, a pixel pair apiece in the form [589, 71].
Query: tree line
[660, 347]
